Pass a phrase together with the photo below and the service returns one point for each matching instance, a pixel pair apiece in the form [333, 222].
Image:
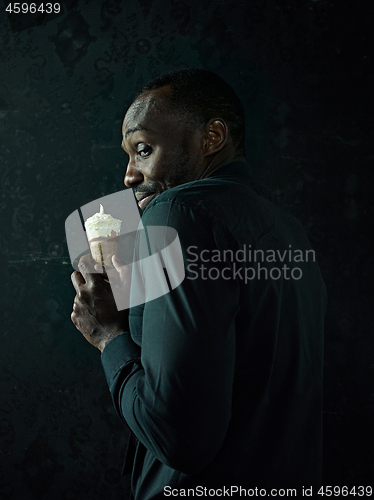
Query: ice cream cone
[102, 232]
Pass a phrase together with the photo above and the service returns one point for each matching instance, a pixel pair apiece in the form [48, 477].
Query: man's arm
[176, 398]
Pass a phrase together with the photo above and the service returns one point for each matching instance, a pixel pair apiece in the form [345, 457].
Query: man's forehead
[137, 111]
[145, 107]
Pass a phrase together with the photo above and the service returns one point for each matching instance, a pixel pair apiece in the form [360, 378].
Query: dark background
[304, 70]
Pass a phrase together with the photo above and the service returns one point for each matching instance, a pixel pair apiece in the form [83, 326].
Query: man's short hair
[202, 95]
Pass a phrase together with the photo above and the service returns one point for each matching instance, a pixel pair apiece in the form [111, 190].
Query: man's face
[163, 151]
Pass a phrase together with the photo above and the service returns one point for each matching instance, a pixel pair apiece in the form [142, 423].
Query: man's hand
[95, 313]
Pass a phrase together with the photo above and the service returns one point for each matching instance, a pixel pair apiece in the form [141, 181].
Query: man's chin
[142, 204]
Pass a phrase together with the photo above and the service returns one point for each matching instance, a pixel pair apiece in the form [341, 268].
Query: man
[219, 380]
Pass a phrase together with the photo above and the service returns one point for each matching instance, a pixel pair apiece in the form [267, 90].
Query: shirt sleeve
[176, 393]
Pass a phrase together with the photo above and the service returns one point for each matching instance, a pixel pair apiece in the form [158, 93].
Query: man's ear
[215, 137]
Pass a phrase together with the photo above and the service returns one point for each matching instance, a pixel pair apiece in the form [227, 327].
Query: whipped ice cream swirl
[102, 225]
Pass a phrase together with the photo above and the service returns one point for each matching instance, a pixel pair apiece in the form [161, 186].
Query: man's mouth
[144, 199]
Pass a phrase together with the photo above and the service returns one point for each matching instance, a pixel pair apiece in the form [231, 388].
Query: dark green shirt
[220, 380]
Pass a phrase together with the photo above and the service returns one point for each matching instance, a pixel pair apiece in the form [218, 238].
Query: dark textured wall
[304, 70]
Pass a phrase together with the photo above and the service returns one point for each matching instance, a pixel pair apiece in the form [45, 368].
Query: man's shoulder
[184, 206]
[204, 190]
[234, 203]
[213, 196]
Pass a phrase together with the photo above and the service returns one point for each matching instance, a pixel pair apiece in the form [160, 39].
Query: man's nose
[133, 176]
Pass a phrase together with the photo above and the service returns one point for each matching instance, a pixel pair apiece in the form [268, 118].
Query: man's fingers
[124, 270]
[86, 268]
[100, 269]
[77, 280]
[86, 263]
[117, 262]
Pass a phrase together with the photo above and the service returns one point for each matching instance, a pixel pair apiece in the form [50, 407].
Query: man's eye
[144, 151]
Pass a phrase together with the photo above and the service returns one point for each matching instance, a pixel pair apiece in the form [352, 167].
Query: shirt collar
[234, 169]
